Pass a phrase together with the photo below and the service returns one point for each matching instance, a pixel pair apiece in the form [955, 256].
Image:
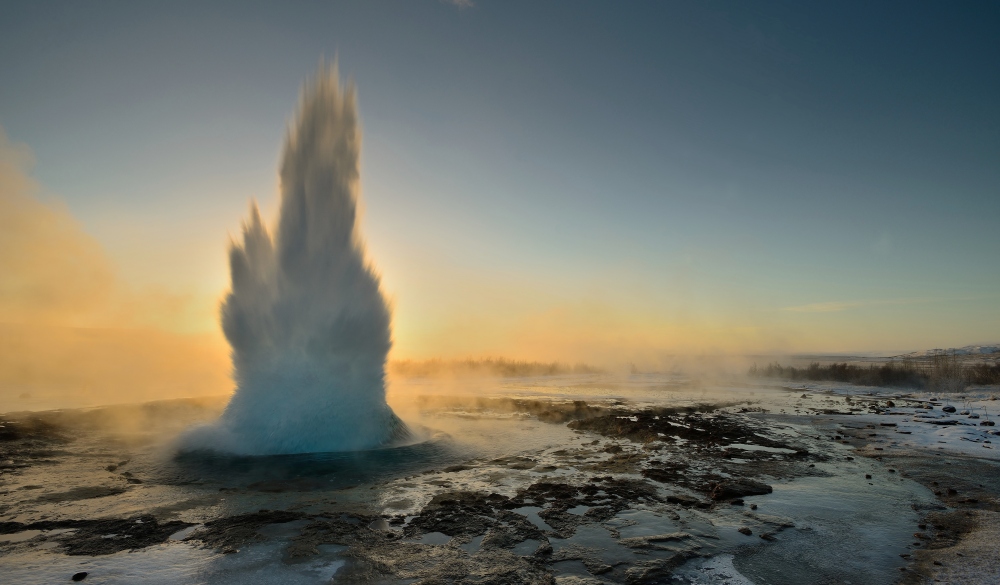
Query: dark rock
[948, 408]
[745, 530]
[230, 533]
[79, 576]
[91, 537]
[738, 488]
[457, 514]
[683, 500]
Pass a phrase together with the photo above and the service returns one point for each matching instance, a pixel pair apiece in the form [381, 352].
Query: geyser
[306, 318]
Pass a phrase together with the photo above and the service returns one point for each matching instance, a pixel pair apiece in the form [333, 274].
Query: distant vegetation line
[941, 373]
[500, 367]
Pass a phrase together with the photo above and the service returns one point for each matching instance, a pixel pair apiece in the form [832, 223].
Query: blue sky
[728, 175]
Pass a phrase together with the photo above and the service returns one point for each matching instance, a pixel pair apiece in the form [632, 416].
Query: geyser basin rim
[418, 435]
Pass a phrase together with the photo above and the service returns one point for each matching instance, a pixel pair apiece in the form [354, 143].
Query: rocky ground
[640, 495]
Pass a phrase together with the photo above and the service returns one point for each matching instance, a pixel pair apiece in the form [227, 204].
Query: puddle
[186, 532]
[759, 448]
[531, 513]
[473, 545]
[843, 528]
[526, 547]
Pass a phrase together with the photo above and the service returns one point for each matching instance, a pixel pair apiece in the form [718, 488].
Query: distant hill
[499, 367]
[970, 350]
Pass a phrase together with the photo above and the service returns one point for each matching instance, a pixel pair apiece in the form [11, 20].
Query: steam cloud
[72, 331]
[306, 319]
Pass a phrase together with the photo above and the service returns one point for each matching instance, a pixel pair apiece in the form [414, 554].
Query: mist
[72, 333]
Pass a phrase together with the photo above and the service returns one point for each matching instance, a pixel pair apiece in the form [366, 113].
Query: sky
[579, 181]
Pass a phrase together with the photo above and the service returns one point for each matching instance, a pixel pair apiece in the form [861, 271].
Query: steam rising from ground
[307, 321]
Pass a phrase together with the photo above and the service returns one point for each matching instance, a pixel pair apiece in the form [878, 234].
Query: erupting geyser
[306, 319]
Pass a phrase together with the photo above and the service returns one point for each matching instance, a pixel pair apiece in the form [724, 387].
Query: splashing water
[306, 319]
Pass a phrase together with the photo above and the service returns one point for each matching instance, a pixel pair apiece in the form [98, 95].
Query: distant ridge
[967, 350]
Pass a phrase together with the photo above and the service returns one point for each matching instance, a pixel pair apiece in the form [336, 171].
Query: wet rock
[619, 463]
[511, 529]
[235, 531]
[379, 524]
[82, 493]
[654, 541]
[656, 571]
[598, 568]
[458, 514]
[744, 530]
[685, 500]
[105, 536]
[79, 576]
[588, 556]
[738, 488]
[434, 565]
[949, 409]
[344, 530]
[577, 580]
